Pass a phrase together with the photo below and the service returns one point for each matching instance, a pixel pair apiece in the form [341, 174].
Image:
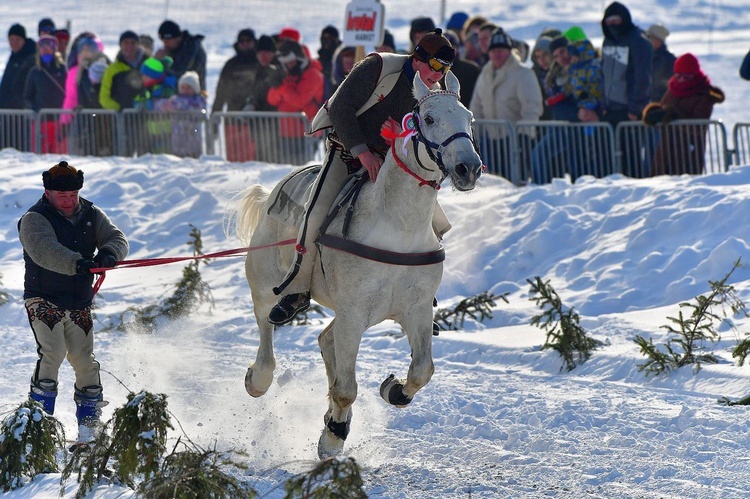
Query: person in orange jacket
[301, 91]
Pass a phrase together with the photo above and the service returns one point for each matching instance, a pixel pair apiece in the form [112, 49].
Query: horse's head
[444, 127]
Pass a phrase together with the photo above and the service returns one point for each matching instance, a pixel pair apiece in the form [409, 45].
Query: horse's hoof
[392, 391]
[329, 445]
[254, 392]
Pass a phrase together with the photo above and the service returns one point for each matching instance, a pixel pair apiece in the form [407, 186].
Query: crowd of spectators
[563, 77]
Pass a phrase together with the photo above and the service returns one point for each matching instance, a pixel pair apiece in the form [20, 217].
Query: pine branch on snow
[29, 443]
[690, 334]
[564, 333]
[478, 307]
[190, 293]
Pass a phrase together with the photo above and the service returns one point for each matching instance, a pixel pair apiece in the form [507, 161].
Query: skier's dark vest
[69, 292]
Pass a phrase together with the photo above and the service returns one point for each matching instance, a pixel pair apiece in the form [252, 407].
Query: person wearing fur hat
[185, 49]
[64, 237]
[378, 88]
[506, 90]
[690, 95]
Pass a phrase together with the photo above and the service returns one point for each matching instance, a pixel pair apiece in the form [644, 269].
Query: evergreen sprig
[564, 333]
[190, 293]
[690, 334]
[478, 307]
[29, 443]
[138, 441]
[335, 477]
[194, 473]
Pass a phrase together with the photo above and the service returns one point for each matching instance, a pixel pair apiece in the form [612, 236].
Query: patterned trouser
[60, 332]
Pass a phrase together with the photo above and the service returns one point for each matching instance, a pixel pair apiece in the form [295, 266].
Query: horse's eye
[428, 119]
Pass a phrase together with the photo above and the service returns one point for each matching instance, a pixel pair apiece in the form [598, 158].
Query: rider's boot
[289, 306]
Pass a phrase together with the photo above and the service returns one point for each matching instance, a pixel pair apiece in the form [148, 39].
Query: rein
[150, 262]
[422, 181]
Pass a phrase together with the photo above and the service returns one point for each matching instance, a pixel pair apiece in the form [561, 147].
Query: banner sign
[364, 23]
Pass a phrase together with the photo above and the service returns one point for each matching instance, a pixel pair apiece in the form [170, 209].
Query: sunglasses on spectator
[438, 65]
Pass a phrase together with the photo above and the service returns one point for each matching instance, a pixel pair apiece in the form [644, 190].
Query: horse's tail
[245, 218]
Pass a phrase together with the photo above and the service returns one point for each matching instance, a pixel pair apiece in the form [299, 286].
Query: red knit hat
[687, 64]
[290, 34]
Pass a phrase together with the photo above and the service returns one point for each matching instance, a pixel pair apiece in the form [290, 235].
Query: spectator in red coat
[301, 91]
[690, 95]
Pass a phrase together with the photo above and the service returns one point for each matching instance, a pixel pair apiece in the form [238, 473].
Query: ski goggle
[438, 65]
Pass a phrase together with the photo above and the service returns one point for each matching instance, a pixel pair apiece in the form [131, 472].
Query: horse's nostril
[461, 170]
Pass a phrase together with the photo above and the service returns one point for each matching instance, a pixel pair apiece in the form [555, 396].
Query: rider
[378, 88]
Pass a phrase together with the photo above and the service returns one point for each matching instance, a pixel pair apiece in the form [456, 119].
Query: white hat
[190, 78]
[657, 31]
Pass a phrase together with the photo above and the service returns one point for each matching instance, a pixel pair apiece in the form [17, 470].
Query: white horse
[388, 266]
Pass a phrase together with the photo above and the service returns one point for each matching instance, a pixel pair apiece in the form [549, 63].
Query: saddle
[288, 207]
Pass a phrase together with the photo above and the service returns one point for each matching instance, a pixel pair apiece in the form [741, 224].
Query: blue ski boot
[44, 391]
[89, 402]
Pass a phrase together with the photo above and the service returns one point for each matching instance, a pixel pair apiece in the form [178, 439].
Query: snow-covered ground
[499, 418]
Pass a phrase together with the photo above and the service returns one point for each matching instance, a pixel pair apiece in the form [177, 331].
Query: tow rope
[150, 262]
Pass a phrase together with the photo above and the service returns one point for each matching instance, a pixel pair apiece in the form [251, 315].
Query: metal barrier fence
[741, 141]
[525, 152]
[683, 146]
[552, 149]
[262, 136]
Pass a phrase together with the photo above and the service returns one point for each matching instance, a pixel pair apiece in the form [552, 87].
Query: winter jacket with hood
[626, 63]
[300, 91]
[586, 76]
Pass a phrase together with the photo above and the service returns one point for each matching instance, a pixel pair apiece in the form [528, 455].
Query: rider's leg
[296, 286]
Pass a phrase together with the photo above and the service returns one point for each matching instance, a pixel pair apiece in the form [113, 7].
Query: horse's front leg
[340, 347]
[325, 342]
[260, 374]
[418, 327]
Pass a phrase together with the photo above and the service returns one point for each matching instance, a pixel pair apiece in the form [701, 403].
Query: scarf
[686, 88]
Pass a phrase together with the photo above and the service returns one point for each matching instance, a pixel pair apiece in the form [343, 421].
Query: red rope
[150, 262]
[403, 166]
